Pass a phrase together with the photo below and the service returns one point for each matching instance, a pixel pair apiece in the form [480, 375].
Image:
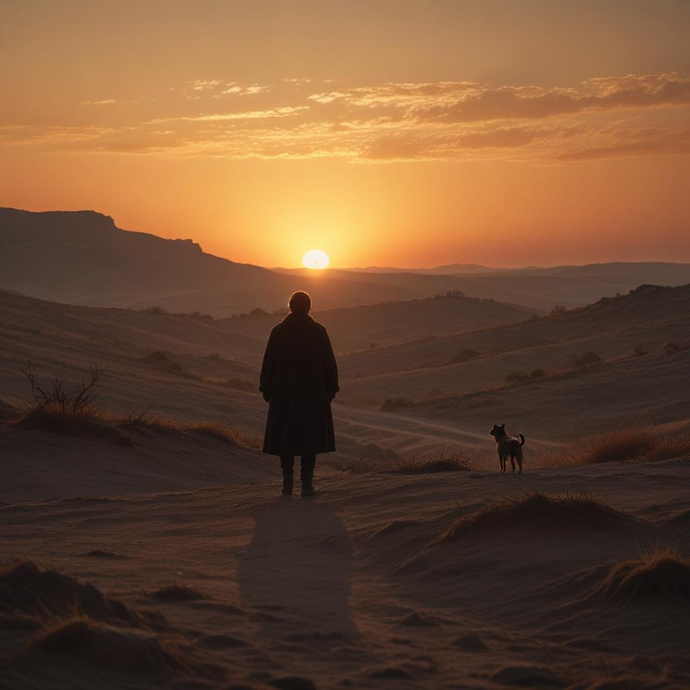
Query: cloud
[467, 102]
[393, 121]
[652, 141]
[216, 88]
[285, 111]
[105, 101]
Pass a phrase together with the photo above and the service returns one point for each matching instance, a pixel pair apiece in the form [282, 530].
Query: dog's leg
[512, 463]
[502, 463]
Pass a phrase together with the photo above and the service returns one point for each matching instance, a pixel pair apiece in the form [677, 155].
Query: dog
[508, 447]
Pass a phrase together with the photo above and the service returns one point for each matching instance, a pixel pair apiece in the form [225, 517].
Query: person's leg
[287, 464]
[307, 473]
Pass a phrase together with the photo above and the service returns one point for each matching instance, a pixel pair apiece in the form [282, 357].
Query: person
[299, 380]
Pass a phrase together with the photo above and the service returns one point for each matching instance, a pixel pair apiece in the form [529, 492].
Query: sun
[316, 259]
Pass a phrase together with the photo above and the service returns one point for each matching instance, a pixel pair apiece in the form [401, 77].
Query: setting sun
[315, 258]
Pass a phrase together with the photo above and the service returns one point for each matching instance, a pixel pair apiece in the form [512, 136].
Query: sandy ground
[382, 581]
[170, 560]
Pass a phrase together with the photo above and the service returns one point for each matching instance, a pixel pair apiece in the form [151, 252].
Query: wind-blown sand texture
[456, 580]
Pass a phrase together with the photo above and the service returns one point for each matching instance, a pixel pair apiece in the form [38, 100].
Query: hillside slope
[83, 258]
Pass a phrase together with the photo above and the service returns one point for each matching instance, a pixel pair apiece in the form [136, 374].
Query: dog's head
[498, 432]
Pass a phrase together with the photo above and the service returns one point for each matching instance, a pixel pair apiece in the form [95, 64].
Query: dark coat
[299, 378]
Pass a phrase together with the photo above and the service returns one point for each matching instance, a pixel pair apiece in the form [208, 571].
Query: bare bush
[57, 395]
[537, 374]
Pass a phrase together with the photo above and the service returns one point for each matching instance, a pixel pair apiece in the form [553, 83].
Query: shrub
[390, 404]
[537, 374]
[163, 360]
[155, 309]
[517, 377]
[201, 317]
[671, 348]
[559, 309]
[449, 294]
[589, 359]
[639, 351]
[464, 356]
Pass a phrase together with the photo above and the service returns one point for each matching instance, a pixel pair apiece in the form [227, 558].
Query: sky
[384, 132]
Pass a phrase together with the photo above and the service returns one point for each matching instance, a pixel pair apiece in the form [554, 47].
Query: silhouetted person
[299, 379]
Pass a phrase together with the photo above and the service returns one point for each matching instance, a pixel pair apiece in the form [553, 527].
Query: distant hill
[450, 269]
[631, 331]
[354, 328]
[82, 257]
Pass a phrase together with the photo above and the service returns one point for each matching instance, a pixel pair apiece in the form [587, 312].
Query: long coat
[299, 378]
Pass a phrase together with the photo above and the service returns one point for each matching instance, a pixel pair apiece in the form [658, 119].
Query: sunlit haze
[394, 133]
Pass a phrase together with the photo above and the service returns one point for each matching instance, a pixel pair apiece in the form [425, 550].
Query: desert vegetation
[536, 511]
[586, 360]
[672, 348]
[637, 442]
[70, 409]
[429, 463]
[464, 355]
[391, 404]
[517, 377]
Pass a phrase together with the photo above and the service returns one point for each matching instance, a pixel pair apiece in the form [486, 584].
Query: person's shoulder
[319, 327]
[278, 328]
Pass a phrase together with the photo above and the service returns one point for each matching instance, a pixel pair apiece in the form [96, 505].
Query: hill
[639, 373]
[368, 326]
[83, 258]
[544, 288]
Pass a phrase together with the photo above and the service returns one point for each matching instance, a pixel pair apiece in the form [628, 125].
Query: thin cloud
[393, 121]
[105, 101]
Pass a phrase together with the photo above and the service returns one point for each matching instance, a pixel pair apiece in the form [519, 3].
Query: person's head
[300, 302]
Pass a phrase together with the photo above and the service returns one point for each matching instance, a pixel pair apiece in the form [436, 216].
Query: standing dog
[508, 447]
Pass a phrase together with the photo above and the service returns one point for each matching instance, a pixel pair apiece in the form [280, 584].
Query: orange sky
[385, 133]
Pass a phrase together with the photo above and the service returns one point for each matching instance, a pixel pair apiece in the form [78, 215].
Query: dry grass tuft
[538, 512]
[90, 422]
[28, 590]
[429, 464]
[95, 423]
[75, 624]
[657, 576]
[633, 442]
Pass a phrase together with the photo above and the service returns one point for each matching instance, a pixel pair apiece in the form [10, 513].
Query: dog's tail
[522, 439]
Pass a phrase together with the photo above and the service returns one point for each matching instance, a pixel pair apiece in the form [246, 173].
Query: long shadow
[295, 574]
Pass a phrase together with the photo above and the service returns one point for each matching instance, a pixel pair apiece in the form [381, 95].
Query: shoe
[287, 485]
[308, 489]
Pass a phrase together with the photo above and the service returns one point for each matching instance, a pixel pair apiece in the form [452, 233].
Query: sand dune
[385, 581]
